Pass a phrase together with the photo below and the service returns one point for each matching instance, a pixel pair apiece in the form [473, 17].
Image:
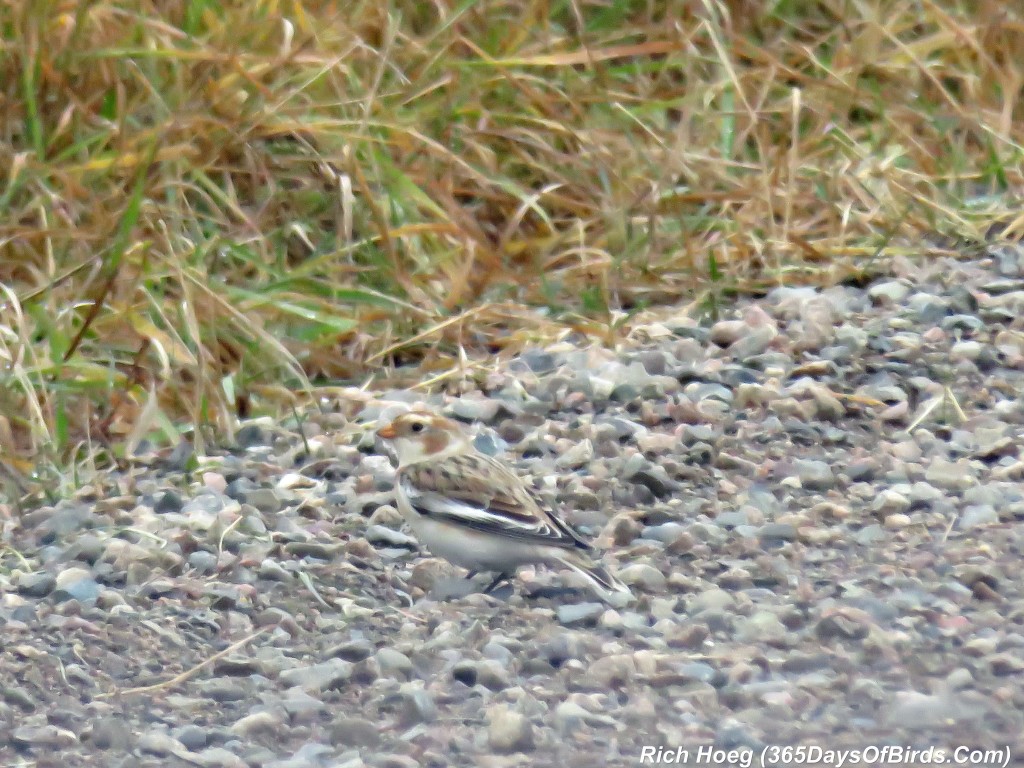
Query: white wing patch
[483, 518]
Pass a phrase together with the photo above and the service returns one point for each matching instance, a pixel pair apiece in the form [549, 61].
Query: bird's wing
[480, 493]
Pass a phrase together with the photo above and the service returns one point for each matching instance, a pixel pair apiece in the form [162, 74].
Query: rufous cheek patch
[435, 441]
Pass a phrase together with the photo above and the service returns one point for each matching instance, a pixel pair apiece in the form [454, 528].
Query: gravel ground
[817, 501]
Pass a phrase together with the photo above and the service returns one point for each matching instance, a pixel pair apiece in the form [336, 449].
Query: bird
[474, 511]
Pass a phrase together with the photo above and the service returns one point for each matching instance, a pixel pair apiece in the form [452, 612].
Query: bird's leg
[499, 579]
[472, 575]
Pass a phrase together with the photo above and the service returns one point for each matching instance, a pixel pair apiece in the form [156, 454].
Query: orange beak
[387, 432]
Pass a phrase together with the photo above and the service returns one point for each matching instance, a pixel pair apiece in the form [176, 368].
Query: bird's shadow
[455, 587]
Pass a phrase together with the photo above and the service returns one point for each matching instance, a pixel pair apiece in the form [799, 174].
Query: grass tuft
[212, 208]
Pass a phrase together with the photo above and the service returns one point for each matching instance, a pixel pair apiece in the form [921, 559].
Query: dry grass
[210, 205]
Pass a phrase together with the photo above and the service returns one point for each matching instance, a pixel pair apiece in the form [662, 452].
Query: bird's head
[420, 435]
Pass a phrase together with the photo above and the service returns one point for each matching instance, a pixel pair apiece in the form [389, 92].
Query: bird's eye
[417, 426]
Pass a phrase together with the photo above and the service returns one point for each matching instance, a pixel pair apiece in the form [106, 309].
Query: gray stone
[870, 535]
[475, 409]
[538, 360]
[668, 534]
[251, 435]
[698, 671]
[493, 675]
[713, 599]
[732, 518]
[65, 519]
[325, 676]
[168, 501]
[762, 626]
[726, 332]
[579, 613]
[508, 730]
[192, 736]
[612, 671]
[815, 475]
[417, 705]
[43, 737]
[921, 711]
[490, 444]
[753, 342]
[929, 309]
[76, 584]
[352, 650]
[354, 732]
[266, 500]
[262, 723]
[951, 475]
[393, 663]
[646, 577]
[890, 502]
[970, 323]
[776, 532]
[207, 503]
[966, 350]
[651, 476]
[300, 706]
[578, 456]
[37, 584]
[203, 562]
[977, 515]
[113, 733]
[889, 292]
[389, 537]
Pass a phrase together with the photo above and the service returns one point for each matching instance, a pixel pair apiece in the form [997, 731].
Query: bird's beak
[387, 432]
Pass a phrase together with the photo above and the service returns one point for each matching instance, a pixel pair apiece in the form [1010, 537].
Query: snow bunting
[474, 511]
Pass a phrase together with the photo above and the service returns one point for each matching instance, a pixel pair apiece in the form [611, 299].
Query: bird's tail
[601, 579]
